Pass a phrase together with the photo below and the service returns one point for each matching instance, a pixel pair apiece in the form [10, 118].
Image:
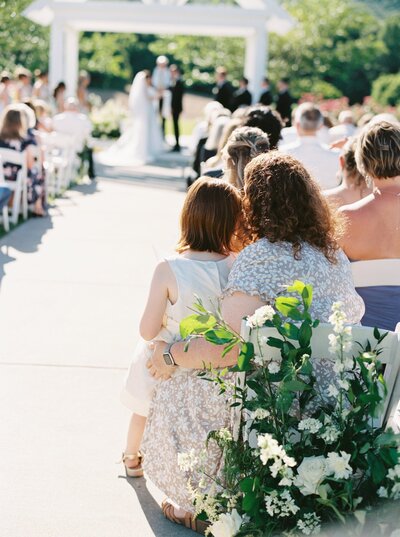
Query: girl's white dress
[203, 279]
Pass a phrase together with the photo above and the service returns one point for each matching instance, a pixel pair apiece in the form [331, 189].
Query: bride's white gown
[142, 142]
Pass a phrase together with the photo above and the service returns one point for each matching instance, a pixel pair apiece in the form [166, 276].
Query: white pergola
[249, 19]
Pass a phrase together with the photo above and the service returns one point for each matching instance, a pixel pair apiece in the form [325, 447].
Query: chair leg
[25, 201]
[6, 223]
[16, 204]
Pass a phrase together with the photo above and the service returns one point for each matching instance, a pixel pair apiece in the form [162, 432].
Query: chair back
[389, 357]
[376, 272]
[13, 157]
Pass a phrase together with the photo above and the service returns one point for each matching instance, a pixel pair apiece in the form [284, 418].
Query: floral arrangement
[302, 458]
[107, 119]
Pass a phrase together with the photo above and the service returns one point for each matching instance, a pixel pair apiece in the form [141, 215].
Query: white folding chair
[376, 272]
[20, 186]
[389, 357]
[58, 162]
[5, 218]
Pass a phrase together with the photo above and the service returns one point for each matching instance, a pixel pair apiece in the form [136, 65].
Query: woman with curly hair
[293, 236]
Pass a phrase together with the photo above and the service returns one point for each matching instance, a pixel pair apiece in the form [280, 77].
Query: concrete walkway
[72, 289]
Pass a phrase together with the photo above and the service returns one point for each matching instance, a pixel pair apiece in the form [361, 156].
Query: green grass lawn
[186, 126]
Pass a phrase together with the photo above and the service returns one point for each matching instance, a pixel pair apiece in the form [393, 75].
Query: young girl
[210, 219]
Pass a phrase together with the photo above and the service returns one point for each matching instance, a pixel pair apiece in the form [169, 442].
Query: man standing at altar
[161, 81]
[177, 89]
[223, 91]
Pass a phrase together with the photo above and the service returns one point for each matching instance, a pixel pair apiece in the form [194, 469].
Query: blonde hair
[242, 146]
[378, 150]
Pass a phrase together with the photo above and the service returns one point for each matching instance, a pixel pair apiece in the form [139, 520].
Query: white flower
[332, 391]
[259, 360]
[287, 479]
[310, 424]
[382, 492]
[224, 435]
[395, 533]
[260, 316]
[338, 465]
[309, 524]
[310, 474]
[344, 384]
[270, 449]
[260, 414]
[274, 367]
[187, 461]
[227, 525]
[394, 473]
[334, 343]
[338, 367]
[330, 435]
[280, 505]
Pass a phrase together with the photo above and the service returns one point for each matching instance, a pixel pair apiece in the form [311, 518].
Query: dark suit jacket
[266, 98]
[284, 106]
[241, 97]
[223, 94]
[177, 89]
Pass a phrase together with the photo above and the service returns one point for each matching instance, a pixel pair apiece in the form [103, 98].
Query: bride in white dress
[142, 141]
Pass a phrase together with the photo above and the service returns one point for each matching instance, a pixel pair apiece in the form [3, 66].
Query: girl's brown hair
[350, 164]
[210, 217]
[12, 124]
[284, 204]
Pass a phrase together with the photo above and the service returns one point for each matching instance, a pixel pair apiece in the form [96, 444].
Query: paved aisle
[71, 294]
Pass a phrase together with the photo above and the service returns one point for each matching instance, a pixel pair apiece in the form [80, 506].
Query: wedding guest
[5, 95]
[177, 89]
[82, 92]
[79, 127]
[59, 97]
[352, 186]
[41, 88]
[223, 90]
[266, 96]
[14, 135]
[221, 118]
[244, 144]
[242, 96]
[214, 166]
[346, 127]
[321, 161]
[43, 116]
[24, 87]
[373, 230]
[210, 218]
[285, 101]
[294, 237]
[161, 81]
[267, 120]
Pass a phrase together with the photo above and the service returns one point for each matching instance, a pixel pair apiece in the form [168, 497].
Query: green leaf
[219, 336]
[196, 324]
[286, 305]
[229, 347]
[305, 333]
[249, 502]
[307, 295]
[249, 484]
[295, 386]
[377, 334]
[275, 342]
[296, 287]
[246, 354]
[289, 330]
[366, 447]
[378, 470]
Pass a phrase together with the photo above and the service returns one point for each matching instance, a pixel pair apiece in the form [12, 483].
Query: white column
[71, 60]
[56, 60]
[256, 60]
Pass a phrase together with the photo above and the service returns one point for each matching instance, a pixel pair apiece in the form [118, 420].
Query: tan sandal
[136, 471]
[187, 520]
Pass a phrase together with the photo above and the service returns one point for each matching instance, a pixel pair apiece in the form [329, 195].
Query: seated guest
[214, 166]
[43, 117]
[59, 97]
[220, 119]
[242, 146]
[24, 87]
[294, 237]
[352, 187]
[265, 119]
[373, 230]
[5, 94]
[77, 125]
[242, 96]
[319, 160]
[266, 95]
[41, 86]
[14, 135]
[345, 128]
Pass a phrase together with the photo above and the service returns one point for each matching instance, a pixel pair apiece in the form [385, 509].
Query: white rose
[310, 475]
[227, 525]
[338, 465]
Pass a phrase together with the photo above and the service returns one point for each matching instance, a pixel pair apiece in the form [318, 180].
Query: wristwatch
[167, 355]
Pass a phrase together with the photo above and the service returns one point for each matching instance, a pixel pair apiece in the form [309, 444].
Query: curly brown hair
[284, 204]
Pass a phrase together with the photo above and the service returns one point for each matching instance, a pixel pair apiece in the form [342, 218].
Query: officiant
[161, 81]
[177, 89]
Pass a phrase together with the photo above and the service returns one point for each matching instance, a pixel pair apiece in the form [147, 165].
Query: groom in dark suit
[177, 90]
[223, 91]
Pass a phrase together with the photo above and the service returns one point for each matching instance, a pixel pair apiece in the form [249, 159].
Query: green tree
[386, 90]
[391, 38]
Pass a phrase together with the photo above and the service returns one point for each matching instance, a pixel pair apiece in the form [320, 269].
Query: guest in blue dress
[373, 225]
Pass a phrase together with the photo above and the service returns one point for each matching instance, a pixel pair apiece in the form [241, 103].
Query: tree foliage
[386, 90]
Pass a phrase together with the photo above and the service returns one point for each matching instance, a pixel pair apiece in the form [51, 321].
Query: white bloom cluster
[259, 360]
[260, 414]
[330, 435]
[274, 367]
[310, 424]
[280, 504]
[260, 316]
[270, 449]
[224, 435]
[204, 502]
[393, 491]
[313, 470]
[310, 524]
[227, 525]
[188, 461]
[341, 339]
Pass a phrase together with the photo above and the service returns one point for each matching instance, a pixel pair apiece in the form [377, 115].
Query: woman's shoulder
[261, 250]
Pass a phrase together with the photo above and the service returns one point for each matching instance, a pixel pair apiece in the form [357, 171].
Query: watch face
[167, 359]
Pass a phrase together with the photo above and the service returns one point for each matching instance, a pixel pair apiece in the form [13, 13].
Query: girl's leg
[134, 439]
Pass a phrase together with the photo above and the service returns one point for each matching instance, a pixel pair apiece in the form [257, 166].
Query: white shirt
[75, 124]
[320, 161]
[161, 78]
[344, 130]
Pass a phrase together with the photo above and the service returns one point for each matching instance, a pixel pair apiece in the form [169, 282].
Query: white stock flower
[274, 367]
[270, 449]
[227, 525]
[394, 473]
[260, 414]
[330, 435]
[344, 384]
[309, 524]
[260, 316]
[310, 424]
[281, 505]
[310, 474]
[287, 477]
[259, 360]
[187, 461]
[332, 391]
[338, 465]
[224, 435]
[382, 492]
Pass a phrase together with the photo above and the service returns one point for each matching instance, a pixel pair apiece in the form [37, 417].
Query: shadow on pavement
[160, 526]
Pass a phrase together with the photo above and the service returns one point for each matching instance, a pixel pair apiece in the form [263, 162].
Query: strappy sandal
[136, 471]
[188, 520]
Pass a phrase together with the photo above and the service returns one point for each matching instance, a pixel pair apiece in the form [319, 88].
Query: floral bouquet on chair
[302, 457]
